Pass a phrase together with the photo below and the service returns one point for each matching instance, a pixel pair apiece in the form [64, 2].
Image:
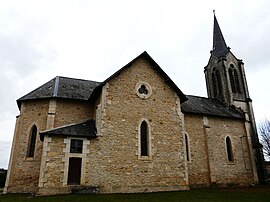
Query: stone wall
[53, 172]
[24, 174]
[72, 111]
[51, 179]
[198, 166]
[209, 163]
[115, 163]
[23, 170]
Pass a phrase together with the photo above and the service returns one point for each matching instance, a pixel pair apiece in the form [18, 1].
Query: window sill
[145, 158]
[29, 159]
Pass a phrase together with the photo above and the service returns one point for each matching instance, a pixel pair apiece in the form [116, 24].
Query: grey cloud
[20, 51]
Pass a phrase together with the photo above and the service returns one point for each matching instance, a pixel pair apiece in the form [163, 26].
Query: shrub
[3, 175]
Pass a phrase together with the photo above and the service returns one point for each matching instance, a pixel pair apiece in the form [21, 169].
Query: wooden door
[74, 171]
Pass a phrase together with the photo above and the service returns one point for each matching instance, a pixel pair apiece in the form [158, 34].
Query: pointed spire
[219, 45]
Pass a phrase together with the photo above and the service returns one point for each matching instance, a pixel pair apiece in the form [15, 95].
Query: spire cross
[214, 11]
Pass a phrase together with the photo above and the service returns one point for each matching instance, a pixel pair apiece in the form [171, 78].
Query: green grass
[230, 194]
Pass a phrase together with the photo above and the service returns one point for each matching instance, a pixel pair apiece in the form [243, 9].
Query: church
[137, 132]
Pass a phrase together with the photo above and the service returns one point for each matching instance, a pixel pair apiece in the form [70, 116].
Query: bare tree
[264, 130]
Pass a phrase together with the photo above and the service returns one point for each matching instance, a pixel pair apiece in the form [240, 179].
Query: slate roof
[84, 129]
[219, 45]
[70, 88]
[62, 87]
[207, 106]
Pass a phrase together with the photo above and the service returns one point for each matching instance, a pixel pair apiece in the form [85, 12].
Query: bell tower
[224, 73]
[226, 81]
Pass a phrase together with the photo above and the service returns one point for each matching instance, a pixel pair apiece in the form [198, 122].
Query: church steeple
[219, 45]
[226, 82]
[225, 76]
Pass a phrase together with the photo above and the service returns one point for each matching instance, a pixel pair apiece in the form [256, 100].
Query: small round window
[143, 90]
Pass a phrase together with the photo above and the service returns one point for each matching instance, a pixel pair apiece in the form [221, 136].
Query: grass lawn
[258, 194]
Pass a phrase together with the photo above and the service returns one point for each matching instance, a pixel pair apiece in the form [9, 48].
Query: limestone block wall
[72, 111]
[115, 164]
[51, 179]
[56, 154]
[53, 172]
[198, 166]
[209, 163]
[23, 170]
[54, 166]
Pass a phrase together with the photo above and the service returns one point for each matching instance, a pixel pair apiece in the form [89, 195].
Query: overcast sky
[92, 39]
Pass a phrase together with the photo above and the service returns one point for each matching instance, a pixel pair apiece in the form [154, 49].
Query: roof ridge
[65, 77]
[56, 85]
[197, 96]
[203, 97]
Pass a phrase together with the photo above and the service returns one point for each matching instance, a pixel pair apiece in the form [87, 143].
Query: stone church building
[137, 131]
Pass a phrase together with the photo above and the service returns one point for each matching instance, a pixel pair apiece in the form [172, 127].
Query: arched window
[217, 85]
[187, 146]
[214, 85]
[144, 136]
[232, 80]
[32, 142]
[236, 80]
[229, 149]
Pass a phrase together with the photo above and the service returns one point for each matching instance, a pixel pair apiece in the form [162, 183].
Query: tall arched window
[32, 142]
[144, 136]
[229, 149]
[187, 146]
[217, 85]
[219, 82]
[214, 85]
[234, 80]
[237, 81]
